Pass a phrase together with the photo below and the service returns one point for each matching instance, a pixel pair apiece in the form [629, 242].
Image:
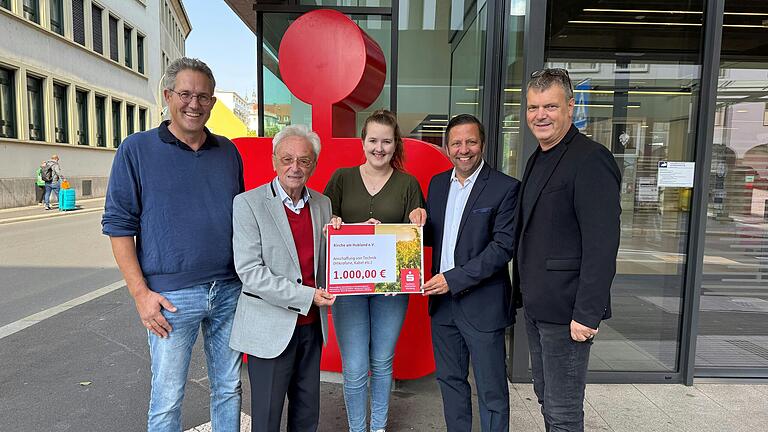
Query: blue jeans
[49, 187]
[211, 305]
[559, 368]
[367, 328]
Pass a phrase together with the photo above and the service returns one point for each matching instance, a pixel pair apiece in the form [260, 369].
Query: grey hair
[547, 80]
[186, 63]
[297, 130]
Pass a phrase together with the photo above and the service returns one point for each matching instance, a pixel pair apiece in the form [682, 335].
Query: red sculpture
[327, 61]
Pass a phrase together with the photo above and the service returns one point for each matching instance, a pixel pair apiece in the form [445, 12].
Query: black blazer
[479, 283]
[566, 245]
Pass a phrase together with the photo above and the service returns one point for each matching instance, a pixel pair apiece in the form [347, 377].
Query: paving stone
[733, 397]
[624, 408]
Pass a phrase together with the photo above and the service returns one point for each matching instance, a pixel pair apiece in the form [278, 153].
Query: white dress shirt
[458, 195]
[296, 208]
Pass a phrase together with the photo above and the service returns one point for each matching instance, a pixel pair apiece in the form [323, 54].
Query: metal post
[260, 70]
[705, 120]
[533, 59]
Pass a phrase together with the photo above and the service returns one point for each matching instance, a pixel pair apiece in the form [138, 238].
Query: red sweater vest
[303, 238]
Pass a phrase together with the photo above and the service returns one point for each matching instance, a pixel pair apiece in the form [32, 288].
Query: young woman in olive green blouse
[367, 326]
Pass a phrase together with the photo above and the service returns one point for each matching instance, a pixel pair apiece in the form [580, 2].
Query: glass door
[637, 79]
[733, 321]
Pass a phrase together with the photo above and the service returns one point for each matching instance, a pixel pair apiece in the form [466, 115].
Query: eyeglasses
[202, 99]
[304, 162]
[555, 72]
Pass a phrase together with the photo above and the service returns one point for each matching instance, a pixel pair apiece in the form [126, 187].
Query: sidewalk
[20, 214]
[87, 369]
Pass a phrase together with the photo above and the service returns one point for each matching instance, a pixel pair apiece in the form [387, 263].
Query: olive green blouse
[351, 201]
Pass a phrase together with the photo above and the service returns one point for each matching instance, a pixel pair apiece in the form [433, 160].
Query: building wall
[236, 104]
[28, 49]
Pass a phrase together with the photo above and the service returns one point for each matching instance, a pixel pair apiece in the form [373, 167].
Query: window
[57, 16]
[127, 46]
[140, 53]
[35, 108]
[142, 119]
[7, 105]
[101, 121]
[98, 35]
[130, 117]
[113, 53]
[81, 101]
[5, 4]
[116, 126]
[32, 10]
[60, 117]
[78, 22]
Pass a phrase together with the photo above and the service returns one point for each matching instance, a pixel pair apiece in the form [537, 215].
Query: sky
[227, 45]
[223, 41]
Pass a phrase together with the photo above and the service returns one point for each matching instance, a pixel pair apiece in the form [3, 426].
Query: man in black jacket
[567, 238]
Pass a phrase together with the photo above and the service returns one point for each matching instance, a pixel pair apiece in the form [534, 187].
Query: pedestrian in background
[176, 254]
[368, 326]
[39, 184]
[51, 176]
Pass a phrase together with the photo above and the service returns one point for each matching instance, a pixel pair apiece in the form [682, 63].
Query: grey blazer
[268, 265]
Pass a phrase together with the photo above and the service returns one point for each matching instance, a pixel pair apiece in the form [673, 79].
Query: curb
[50, 215]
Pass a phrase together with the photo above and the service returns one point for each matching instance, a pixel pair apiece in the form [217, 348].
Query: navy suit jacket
[479, 283]
[566, 244]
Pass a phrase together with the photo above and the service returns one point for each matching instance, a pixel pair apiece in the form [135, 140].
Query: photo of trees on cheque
[408, 246]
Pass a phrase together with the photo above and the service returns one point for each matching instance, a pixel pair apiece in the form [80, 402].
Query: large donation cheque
[375, 259]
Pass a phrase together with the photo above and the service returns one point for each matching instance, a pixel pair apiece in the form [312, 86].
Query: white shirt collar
[287, 199]
[470, 179]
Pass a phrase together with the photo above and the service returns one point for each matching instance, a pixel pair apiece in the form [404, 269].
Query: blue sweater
[178, 205]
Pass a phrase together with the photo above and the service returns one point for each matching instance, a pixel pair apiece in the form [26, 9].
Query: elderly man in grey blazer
[281, 317]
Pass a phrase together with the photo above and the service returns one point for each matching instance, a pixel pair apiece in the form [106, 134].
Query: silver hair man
[298, 130]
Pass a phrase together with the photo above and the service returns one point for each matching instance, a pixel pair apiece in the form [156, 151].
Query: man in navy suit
[567, 237]
[469, 221]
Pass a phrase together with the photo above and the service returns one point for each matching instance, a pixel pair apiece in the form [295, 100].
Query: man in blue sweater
[168, 214]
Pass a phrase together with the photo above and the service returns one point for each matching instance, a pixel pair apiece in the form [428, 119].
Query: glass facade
[510, 130]
[639, 73]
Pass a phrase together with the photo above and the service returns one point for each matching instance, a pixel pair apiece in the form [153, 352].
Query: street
[46, 262]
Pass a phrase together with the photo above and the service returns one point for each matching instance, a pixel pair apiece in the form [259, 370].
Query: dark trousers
[455, 343]
[39, 193]
[294, 373]
[559, 369]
